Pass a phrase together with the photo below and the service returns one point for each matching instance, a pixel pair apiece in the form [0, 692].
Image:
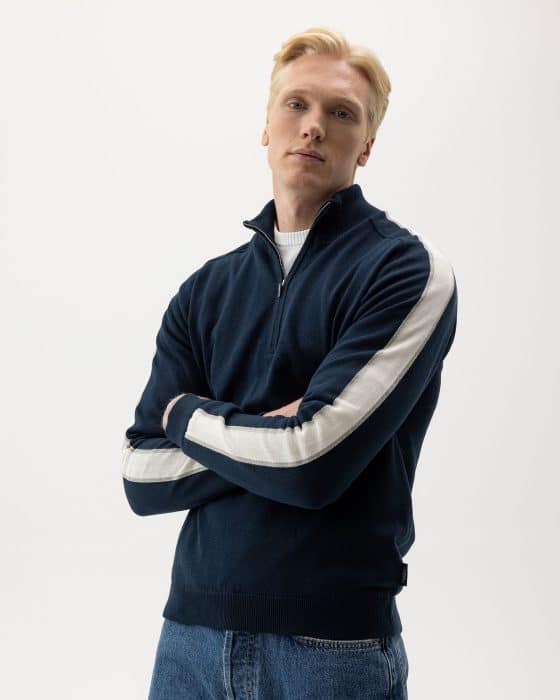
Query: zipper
[283, 283]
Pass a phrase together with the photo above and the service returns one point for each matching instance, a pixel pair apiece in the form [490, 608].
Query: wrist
[168, 410]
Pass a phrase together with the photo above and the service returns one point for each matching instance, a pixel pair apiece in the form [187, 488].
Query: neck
[295, 210]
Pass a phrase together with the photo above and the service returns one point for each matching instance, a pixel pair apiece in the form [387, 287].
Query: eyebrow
[339, 98]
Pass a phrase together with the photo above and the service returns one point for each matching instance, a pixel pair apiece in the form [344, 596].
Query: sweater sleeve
[357, 398]
[157, 476]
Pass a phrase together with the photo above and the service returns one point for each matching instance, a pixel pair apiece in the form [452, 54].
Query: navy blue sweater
[298, 524]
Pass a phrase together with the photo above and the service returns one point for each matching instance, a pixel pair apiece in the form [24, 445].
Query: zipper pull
[280, 285]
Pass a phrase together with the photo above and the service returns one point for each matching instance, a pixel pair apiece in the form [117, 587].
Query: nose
[312, 126]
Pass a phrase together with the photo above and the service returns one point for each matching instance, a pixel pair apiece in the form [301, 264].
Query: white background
[129, 155]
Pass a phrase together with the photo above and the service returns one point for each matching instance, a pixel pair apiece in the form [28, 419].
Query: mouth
[307, 157]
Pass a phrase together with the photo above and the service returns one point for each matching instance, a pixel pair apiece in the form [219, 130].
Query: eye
[344, 112]
[294, 102]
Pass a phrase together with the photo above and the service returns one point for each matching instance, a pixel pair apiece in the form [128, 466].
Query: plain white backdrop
[130, 154]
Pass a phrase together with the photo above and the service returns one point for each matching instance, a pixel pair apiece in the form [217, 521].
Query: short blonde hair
[322, 40]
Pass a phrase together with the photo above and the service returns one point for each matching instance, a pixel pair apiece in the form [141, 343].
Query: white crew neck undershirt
[289, 244]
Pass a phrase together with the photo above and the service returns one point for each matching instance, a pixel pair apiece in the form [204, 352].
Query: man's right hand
[289, 409]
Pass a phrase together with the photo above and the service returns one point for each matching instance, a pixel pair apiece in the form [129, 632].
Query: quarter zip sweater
[299, 524]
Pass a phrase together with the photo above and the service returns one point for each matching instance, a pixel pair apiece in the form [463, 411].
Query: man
[335, 320]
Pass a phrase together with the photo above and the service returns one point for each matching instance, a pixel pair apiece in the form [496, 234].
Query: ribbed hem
[336, 616]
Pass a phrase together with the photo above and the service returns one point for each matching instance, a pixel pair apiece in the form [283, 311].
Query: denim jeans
[202, 663]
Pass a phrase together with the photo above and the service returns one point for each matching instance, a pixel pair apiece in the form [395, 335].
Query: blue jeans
[202, 663]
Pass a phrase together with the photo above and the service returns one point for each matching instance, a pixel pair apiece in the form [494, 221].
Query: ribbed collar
[289, 238]
[345, 208]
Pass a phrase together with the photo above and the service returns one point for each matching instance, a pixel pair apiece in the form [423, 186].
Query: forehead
[323, 76]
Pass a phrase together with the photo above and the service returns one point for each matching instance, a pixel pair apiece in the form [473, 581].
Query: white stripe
[156, 465]
[294, 446]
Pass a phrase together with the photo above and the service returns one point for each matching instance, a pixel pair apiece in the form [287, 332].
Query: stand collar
[340, 212]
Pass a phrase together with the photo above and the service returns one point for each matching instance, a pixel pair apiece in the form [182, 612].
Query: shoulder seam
[236, 251]
[402, 233]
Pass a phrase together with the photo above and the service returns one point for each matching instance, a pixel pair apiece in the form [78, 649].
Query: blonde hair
[322, 40]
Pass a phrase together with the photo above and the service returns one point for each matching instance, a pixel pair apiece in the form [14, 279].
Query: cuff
[179, 417]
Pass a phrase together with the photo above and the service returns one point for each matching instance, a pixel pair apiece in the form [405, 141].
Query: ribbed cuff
[179, 417]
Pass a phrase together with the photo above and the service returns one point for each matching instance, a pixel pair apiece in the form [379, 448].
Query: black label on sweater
[404, 574]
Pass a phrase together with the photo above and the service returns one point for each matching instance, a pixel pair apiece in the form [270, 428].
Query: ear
[265, 137]
[364, 155]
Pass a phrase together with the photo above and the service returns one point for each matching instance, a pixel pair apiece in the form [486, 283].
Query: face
[320, 105]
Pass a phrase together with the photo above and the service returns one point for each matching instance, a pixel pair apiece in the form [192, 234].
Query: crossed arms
[305, 454]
